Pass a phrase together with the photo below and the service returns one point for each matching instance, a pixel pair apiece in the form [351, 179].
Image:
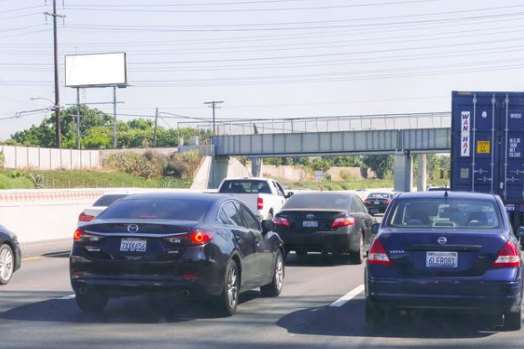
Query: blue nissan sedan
[445, 250]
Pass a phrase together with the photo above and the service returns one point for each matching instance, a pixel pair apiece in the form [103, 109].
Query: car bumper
[199, 278]
[376, 209]
[484, 296]
[321, 241]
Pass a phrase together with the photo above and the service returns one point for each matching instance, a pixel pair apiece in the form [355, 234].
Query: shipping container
[487, 130]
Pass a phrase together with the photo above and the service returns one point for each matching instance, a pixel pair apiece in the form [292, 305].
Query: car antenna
[446, 194]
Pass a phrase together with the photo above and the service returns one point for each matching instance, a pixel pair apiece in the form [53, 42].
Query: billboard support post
[114, 118]
[78, 137]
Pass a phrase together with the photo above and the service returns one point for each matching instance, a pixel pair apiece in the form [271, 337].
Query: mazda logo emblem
[442, 240]
[132, 228]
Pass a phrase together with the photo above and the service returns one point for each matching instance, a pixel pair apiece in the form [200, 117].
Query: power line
[278, 26]
[228, 3]
[21, 9]
[132, 8]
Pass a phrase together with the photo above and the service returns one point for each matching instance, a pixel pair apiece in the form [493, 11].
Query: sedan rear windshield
[106, 200]
[445, 213]
[171, 209]
[319, 201]
[245, 186]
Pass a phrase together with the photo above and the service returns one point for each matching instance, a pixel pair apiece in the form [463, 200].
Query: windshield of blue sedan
[444, 213]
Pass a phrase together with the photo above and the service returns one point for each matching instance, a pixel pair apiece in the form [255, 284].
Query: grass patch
[84, 179]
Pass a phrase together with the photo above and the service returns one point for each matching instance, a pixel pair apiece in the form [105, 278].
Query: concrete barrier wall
[16, 157]
[48, 214]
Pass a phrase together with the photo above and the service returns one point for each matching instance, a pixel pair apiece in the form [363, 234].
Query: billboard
[96, 70]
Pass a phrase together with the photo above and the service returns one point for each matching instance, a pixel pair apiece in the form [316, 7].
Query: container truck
[487, 155]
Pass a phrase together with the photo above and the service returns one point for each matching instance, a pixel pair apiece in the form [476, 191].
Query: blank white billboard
[91, 70]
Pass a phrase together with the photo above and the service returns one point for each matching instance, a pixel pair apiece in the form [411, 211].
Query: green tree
[380, 164]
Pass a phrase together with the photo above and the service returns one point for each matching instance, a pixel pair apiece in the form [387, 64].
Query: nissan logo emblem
[442, 240]
[132, 228]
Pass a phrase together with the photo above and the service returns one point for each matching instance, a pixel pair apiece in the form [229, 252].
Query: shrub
[2, 160]
[136, 164]
[182, 165]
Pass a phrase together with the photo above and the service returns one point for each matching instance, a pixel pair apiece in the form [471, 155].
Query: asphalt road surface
[322, 306]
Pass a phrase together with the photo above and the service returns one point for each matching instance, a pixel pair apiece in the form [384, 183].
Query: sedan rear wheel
[7, 264]
[375, 315]
[275, 287]
[358, 256]
[227, 302]
[90, 301]
[513, 321]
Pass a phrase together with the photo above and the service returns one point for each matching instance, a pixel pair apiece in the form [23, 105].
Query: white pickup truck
[265, 197]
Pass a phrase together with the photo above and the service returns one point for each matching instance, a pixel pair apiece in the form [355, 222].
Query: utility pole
[57, 91]
[156, 128]
[213, 107]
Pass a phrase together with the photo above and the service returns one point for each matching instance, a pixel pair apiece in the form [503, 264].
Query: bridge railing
[326, 124]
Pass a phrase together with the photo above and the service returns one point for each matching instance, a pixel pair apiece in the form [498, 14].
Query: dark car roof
[180, 196]
[451, 194]
[325, 193]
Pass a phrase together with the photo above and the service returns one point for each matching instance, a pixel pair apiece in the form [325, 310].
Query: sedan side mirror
[374, 228]
[289, 194]
[520, 232]
[267, 226]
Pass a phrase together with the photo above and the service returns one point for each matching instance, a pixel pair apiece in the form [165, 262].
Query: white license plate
[377, 202]
[310, 224]
[441, 259]
[133, 245]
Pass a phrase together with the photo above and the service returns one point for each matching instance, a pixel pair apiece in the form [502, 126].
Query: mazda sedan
[445, 250]
[202, 245]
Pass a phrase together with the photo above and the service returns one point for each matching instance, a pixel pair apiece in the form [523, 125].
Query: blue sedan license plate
[441, 259]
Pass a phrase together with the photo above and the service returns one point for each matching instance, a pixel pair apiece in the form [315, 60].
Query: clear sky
[266, 58]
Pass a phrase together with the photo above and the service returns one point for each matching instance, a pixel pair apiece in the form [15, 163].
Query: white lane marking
[71, 296]
[348, 296]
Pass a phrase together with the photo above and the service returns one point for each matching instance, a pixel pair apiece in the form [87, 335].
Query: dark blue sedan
[445, 250]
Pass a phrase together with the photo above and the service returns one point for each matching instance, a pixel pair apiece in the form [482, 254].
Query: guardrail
[327, 124]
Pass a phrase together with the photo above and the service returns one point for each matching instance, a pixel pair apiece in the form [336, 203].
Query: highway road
[322, 306]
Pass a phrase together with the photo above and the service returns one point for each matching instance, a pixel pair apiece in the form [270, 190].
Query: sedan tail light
[85, 217]
[508, 256]
[342, 222]
[200, 237]
[81, 235]
[281, 222]
[78, 234]
[260, 203]
[377, 254]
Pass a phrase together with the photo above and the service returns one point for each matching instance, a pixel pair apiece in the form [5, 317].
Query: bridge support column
[403, 172]
[422, 172]
[256, 167]
[219, 169]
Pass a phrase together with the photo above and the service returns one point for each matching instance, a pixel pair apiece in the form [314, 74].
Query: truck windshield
[245, 186]
[444, 213]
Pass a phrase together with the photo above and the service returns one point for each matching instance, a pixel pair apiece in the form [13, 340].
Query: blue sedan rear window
[444, 213]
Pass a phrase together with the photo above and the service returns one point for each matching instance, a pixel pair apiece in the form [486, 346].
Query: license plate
[310, 224]
[377, 202]
[133, 245]
[441, 259]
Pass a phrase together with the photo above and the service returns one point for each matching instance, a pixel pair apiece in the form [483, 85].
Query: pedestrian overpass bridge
[399, 134]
